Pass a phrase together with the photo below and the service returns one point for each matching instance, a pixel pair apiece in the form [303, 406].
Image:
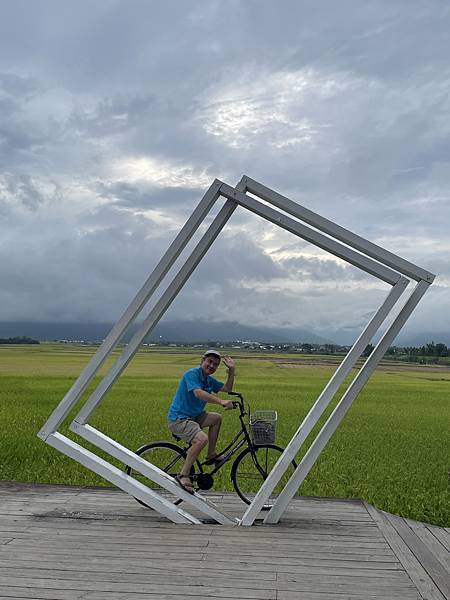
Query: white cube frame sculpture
[307, 225]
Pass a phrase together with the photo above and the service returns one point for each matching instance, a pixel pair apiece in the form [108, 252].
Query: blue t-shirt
[184, 403]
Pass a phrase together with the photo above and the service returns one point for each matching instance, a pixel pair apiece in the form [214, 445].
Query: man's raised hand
[228, 362]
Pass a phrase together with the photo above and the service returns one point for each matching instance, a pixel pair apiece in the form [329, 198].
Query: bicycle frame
[242, 435]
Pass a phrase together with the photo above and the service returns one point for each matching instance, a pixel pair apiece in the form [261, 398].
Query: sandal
[188, 488]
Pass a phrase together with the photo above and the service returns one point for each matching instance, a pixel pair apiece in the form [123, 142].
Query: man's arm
[229, 363]
[207, 397]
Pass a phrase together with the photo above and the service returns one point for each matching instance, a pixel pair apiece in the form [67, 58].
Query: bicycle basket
[263, 424]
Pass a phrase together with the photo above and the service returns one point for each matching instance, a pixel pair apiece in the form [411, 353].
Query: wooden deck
[67, 543]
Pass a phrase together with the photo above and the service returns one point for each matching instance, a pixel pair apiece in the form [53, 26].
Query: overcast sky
[116, 116]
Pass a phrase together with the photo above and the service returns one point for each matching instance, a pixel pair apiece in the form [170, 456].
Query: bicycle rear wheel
[166, 456]
[251, 468]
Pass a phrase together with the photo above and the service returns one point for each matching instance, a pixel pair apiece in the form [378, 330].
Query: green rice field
[392, 449]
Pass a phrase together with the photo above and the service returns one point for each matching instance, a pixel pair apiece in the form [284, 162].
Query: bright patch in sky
[160, 173]
[275, 106]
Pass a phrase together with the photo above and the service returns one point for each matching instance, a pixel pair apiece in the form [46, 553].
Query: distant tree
[430, 349]
[441, 350]
[18, 340]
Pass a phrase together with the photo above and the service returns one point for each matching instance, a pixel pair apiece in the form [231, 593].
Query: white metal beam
[344, 404]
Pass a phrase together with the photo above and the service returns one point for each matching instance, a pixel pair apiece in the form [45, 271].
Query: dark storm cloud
[116, 116]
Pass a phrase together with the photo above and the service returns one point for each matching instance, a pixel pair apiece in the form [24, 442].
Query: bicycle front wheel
[251, 468]
[168, 457]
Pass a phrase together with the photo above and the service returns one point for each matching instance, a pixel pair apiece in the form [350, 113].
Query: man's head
[210, 361]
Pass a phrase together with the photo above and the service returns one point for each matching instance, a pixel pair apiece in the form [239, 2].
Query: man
[187, 415]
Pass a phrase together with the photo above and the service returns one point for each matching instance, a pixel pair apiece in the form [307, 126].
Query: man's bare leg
[213, 421]
[198, 443]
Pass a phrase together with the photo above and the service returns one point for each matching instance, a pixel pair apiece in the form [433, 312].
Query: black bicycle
[250, 467]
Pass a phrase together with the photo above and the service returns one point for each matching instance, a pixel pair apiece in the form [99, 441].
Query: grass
[391, 449]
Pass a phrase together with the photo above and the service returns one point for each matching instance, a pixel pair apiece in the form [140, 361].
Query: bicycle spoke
[266, 452]
[251, 469]
[250, 476]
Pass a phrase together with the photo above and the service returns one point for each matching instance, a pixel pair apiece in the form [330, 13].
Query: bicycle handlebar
[238, 403]
[235, 394]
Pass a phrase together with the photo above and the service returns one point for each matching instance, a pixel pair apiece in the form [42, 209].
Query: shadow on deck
[67, 543]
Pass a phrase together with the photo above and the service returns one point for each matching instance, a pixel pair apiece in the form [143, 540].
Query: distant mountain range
[200, 331]
[422, 338]
[170, 331]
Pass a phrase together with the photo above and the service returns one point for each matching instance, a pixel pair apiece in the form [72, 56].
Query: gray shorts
[187, 429]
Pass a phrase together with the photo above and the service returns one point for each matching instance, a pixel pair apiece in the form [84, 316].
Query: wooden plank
[16, 593]
[317, 532]
[247, 561]
[182, 578]
[87, 510]
[299, 545]
[201, 534]
[129, 587]
[349, 595]
[441, 534]
[415, 570]
[290, 581]
[177, 554]
[234, 569]
[89, 531]
[432, 566]
[342, 590]
[155, 567]
[292, 559]
[134, 511]
[430, 541]
[346, 591]
[135, 541]
[122, 527]
[278, 548]
[308, 536]
[213, 549]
